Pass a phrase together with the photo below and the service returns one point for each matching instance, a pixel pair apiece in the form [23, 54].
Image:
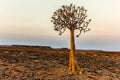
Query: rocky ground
[37, 64]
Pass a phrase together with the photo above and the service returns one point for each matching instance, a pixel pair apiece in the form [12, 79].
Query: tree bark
[73, 66]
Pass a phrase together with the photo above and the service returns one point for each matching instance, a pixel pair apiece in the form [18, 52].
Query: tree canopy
[71, 17]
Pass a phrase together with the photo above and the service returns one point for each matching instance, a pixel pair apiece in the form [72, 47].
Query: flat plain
[46, 63]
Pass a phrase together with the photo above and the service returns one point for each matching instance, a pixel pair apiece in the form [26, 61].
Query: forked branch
[71, 17]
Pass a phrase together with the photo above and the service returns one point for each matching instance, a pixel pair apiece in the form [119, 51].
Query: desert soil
[52, 64]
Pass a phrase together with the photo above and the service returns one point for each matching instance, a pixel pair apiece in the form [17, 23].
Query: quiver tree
[72, 18]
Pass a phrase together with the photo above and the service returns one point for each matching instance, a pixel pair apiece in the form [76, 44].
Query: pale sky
[29, 22]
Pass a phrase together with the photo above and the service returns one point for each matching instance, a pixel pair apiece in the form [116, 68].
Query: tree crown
[71, 17]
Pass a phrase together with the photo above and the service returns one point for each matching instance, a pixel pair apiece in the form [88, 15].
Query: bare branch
[70, 17]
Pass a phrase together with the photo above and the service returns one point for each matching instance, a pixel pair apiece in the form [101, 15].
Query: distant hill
[27, 46]
[49, 47]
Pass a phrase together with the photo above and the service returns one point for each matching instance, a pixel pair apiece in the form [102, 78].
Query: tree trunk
[73, 66]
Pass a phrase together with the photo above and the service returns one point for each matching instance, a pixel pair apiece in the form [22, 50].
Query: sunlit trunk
[73, 67]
